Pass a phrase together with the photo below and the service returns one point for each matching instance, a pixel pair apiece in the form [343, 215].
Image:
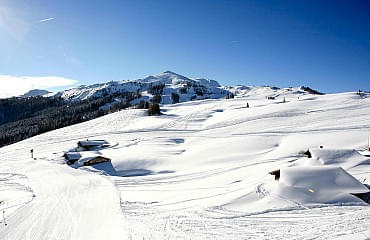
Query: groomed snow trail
[334, 222]
[68, 204]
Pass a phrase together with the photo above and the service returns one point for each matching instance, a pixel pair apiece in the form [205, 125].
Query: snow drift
[346, 158]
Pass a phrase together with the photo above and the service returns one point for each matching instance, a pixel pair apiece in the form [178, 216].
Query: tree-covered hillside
[21, 118]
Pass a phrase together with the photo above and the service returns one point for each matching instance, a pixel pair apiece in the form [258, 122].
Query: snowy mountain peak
[171, 73]
[166, 77]
[171, 86]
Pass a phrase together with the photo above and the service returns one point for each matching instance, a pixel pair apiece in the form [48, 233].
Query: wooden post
[4, 218]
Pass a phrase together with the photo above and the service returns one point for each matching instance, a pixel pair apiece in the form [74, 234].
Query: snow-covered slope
[199, 171]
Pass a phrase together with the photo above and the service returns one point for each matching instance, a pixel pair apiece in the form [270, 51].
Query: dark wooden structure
[308, 153]
[95, 160]
[276, 173]
[91, 144]
[71, 157]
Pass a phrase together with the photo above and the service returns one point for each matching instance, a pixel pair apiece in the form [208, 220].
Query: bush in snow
[229, 96]
[183, 90]
[312, 91]
[157, 99]
[175, 98]
[154, 109]
[199, 90]
[156, 90]
[143, 105]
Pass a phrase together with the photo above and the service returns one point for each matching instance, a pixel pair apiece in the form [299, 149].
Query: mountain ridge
[168, 84]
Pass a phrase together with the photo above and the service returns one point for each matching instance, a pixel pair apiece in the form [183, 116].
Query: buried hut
[72, 157]
[86, 153]
[91, 160]
[85, 158]
[322, 177]
[92, 144]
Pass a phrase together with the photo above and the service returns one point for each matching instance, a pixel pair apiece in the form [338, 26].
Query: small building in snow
[93, 160]
[71, 157]
[319, 184]
[92, 144]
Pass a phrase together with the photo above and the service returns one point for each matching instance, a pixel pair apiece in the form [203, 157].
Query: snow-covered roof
[87, 156]
[72, 155]
[323, 178]
[91, 143]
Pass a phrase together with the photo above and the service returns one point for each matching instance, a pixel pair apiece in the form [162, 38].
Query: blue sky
[322, 44]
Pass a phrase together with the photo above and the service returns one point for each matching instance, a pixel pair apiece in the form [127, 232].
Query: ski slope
[198, 171]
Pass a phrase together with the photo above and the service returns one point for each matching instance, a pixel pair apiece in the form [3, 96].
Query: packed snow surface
[199, 171]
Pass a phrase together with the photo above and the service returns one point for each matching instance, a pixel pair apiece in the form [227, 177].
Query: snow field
[200, 171]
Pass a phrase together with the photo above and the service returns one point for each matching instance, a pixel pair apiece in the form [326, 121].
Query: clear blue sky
[322, 44]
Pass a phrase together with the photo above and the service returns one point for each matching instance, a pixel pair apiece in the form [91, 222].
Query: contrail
[46, 19]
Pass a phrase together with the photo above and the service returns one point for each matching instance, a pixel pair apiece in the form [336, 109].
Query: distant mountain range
[172, 88]
[166, 84]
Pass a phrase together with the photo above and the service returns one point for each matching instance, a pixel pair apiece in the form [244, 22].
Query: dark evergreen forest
[21, 118]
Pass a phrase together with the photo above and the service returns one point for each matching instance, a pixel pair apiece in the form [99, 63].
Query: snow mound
[299, 187]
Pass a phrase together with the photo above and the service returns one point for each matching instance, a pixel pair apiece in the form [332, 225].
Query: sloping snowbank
[346, 158]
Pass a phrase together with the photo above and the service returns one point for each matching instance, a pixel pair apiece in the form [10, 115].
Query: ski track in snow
[200, 156]
[149, 223]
